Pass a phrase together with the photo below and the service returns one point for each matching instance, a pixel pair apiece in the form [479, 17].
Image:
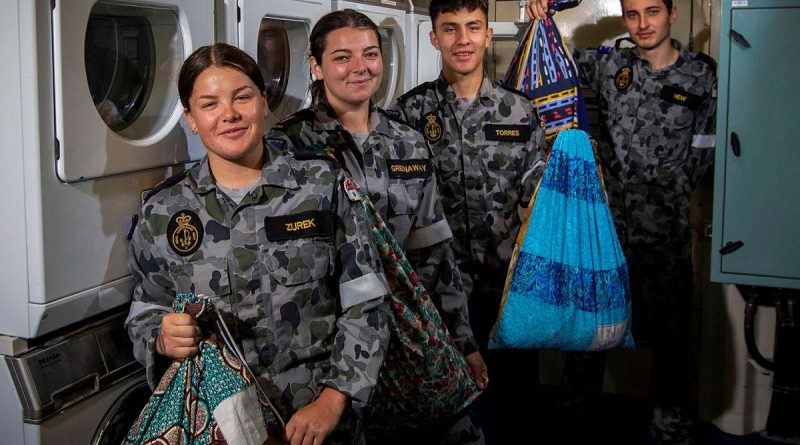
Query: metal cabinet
[756, 228]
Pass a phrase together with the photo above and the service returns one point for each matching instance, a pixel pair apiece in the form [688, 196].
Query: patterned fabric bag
[543, 69]
[425, 379]
[567, 286]
[210, 398]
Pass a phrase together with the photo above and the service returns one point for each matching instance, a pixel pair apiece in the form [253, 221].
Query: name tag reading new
[681, 97]
[313, 223]
[408, 169]
[507, 133]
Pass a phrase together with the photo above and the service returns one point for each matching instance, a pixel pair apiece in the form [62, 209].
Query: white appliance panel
[65, 255]
[115, 66]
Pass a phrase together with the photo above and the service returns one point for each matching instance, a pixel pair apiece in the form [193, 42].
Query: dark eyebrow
[235, 92]
[341, 50]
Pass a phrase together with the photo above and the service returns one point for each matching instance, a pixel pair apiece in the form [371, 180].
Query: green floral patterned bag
[211, 398]
[425, 379]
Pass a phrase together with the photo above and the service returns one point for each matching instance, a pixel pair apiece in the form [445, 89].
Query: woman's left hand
[313, 423]
[479, 370]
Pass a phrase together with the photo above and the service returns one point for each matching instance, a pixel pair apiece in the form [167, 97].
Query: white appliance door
[276, 34]
[432, 65]
[116, 66]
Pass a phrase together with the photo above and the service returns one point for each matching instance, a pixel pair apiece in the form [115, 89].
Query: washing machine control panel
[72, 367]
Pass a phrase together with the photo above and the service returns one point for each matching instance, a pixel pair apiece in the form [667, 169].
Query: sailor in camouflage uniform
[392, 162]
[486, 141]
[287, 259]
[657, 136]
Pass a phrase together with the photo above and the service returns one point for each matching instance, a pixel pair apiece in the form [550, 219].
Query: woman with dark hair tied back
[278, 248]
[391, 162]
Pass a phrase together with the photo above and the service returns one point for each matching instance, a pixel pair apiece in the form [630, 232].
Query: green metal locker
[756, 226]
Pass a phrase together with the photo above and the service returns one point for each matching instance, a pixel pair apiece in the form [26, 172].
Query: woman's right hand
[537, 9]
[179, 336]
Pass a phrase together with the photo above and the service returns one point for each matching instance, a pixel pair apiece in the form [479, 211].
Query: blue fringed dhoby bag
[568, 285]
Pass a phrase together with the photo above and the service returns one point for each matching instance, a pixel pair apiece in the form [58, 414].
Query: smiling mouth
[234, 131]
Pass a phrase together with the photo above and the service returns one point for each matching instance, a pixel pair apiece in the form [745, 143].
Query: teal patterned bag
[425, 380]
[210, 398]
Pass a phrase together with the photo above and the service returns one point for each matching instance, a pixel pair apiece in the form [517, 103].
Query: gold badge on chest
[623, 78]
[185, 232]
[432, 127]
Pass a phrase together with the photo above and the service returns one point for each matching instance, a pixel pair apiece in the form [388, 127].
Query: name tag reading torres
[507, 133]
[313, 223]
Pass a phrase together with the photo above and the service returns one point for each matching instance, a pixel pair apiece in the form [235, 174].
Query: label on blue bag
[608, 336]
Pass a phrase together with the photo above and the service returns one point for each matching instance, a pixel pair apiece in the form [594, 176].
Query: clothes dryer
[390, 16]
[77, 388]
[91, 119]
[276, 34]
[423, 60]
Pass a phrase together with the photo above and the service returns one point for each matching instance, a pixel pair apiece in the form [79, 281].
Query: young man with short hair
[487, 146]
[657, 136]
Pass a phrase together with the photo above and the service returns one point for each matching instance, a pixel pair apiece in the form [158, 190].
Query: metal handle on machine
[738, 38]
[736, 146]
[731, 247]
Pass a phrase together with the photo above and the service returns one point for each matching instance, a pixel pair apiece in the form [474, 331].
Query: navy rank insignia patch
[184, 232]
[623, 78]
[507, 133]
[301, 225]
[432, 127]
[408, 168]
[351, 189]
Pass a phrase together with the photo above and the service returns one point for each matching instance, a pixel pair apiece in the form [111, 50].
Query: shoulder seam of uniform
[708, 60]
[392, 117]
[512, 90]
[306, 114]
[416, 90]
[169, 182]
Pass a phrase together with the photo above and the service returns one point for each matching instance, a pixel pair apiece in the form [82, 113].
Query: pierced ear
[189, 120]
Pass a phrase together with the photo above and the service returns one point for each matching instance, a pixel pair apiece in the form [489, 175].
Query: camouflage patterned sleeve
[363, 326]
[534, 161]
[429, 249]
[587, 61]
[704, 132]
[151, 298]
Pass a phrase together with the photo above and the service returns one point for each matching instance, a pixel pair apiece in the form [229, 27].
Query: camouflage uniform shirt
[291, 268]
[657, 136]
[394, 166]
[487, 165]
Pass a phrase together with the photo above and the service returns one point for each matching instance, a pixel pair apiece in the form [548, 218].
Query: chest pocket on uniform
[303, 308]
[208, 276]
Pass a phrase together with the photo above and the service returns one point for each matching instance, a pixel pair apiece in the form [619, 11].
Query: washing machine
[390, 16]
[419, 47]
[80, 387]
[276, 34]
[90, 121]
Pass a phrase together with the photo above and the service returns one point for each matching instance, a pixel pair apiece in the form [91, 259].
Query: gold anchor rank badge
[622, 80]
[432, 128]
[185, 232]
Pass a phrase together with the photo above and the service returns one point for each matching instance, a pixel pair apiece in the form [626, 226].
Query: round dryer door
[122, 414]
[387, 90]
[280, 53]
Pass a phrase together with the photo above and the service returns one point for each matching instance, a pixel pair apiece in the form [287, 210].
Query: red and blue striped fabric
[543, 69]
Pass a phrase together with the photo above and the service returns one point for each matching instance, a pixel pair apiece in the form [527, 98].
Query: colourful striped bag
[543, 69]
